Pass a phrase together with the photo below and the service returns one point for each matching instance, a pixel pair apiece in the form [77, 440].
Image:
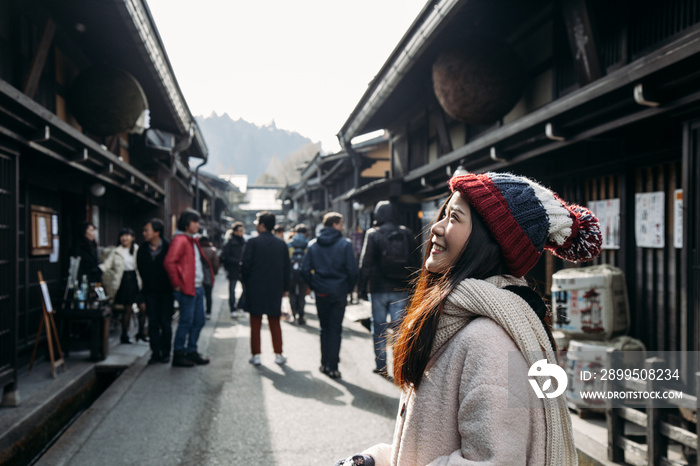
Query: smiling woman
[474, 328]
[450, 234]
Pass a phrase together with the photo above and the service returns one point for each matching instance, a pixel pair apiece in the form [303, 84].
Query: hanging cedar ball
[106, 101]
[479, 82]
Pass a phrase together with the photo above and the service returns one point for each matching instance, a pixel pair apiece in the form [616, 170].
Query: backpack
[297, 257]
[396, 255]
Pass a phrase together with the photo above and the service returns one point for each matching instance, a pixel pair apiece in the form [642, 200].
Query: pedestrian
[330, 269]
[124, 282]
[279, 232]
[297, 286]
[85, 248]
[156, 290]
[265, 271]
[231, 258]
[389, 257]
[188, 270]
[474, 328]
[212, 256]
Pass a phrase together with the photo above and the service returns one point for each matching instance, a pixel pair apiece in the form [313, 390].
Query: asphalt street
[230, 412]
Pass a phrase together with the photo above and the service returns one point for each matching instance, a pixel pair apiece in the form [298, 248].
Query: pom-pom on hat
[525, 218]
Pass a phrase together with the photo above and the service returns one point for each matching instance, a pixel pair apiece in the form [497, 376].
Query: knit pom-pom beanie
[525, 218]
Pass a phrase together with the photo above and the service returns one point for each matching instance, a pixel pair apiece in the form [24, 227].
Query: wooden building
[93, 126]
[337, 182]
[599, 100]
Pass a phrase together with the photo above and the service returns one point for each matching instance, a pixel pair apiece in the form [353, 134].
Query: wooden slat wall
[8, 268]
[653, 275]
[656, 311]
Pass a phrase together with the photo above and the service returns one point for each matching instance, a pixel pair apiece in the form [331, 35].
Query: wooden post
[657, 444]
[42, 52]
[51, 332]
[615, 423]
[697, 410]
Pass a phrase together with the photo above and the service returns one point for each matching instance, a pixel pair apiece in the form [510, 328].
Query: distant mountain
[243, 148]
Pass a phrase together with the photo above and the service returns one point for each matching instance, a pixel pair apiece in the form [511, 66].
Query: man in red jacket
[188, 270]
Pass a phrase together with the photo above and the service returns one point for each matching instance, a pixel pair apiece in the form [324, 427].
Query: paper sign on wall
[608, 213]
[678, 218]
[649, 220]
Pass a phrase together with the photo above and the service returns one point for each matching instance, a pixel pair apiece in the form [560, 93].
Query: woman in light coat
[124, 282]
[474, 332]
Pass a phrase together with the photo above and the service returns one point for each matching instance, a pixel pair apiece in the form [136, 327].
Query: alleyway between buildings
[230, 412]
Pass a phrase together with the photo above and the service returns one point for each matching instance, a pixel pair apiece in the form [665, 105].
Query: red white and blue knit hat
[525, 218]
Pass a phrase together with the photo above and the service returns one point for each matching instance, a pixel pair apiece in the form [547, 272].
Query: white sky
[304, 64]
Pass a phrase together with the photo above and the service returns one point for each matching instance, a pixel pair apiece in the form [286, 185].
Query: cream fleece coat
[113, 270]
[474, 405]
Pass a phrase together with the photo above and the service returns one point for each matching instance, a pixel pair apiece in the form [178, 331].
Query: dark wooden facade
[627, 126]
[48, 160]
[348, 182]
[610, 109]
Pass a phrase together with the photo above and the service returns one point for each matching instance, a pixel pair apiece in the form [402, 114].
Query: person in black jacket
[330, 269]
[265, 272]
[86, 248]
[157, 292]
[231, 258]
[389, 256]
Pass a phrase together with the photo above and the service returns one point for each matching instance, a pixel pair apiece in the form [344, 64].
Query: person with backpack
[389, 256]
[297, 286]
[330, 269]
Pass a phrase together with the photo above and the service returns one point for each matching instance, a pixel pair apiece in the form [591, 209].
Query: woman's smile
[449, 234]
[437, 249]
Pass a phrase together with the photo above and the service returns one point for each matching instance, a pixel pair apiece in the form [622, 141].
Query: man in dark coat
[156, 292]
[231, 258]
[330, 269]
[265, 272]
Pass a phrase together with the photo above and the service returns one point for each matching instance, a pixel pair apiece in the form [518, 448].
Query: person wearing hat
[474, 331]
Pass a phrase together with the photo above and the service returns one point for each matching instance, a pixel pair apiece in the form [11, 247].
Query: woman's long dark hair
[480, 258]
[127, 231]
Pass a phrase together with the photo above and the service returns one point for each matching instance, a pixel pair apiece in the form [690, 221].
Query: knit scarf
[473, 298]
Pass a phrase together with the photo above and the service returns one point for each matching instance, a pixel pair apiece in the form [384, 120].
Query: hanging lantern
[480, 81]
[107, 101]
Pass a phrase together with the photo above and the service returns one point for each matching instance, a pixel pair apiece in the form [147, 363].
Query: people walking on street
[330, 269]
[188, 270]
[231, 258]
[86, 249]
[124, 282]
[298, 286]
[156, 291]
[389, 256]
[265, 272]
[212, 256]
[479, 328]
[278, 230]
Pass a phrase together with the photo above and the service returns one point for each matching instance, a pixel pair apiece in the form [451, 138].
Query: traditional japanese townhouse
[600, 100]
[215, 206]
[93, 126]
[337, 182]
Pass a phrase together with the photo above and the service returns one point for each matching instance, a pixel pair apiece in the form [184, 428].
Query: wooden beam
[444, 141]
[582, 40]
[42, 52]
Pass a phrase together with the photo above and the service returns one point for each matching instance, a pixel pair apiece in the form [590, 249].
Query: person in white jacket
[123, 282]
[474, 331]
